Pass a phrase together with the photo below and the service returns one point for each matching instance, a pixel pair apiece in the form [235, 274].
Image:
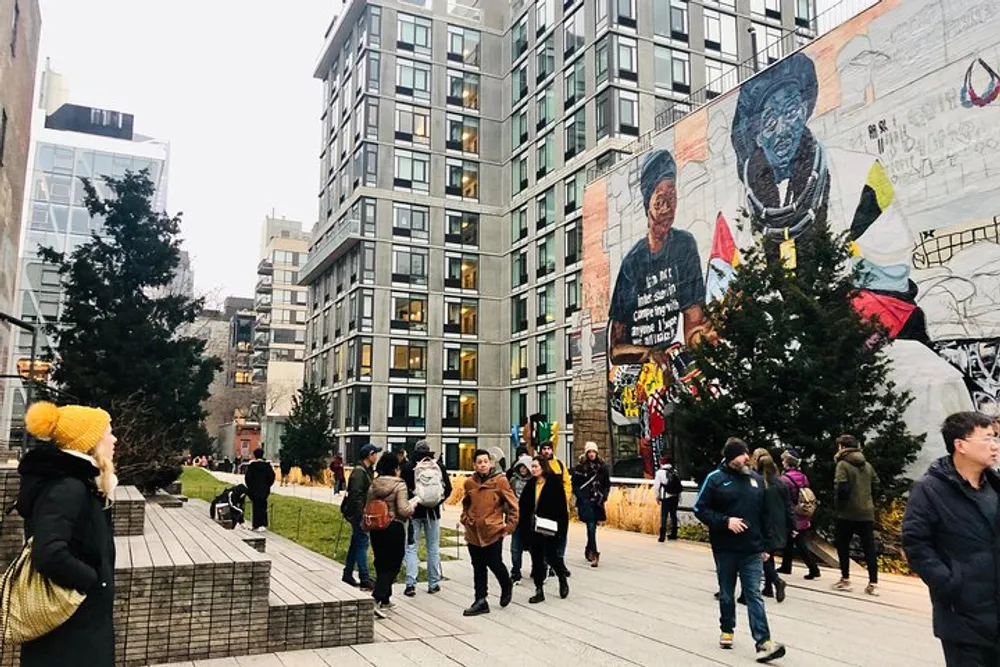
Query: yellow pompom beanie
[75, 427]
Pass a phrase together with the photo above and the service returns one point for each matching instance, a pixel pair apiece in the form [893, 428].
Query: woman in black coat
[779, 523]
[591, 485]
[65, 486]
[544, 496]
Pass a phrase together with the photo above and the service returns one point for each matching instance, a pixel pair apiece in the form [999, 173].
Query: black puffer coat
[74, 547]
[953, 547]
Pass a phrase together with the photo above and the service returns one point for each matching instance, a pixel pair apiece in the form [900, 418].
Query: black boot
[478, 607]
[539, 595]
[563, 588]
[506, 594]
[663, 535]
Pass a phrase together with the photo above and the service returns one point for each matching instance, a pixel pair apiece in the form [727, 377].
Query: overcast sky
[229, 84]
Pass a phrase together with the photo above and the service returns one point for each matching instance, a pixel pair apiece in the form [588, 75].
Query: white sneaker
[380, 611]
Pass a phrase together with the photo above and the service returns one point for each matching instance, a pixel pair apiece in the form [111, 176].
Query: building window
[545, 155]
[519, 224]
[518, 129]
[410, 221]
[768, 8]
[519, 407]
[371, 118]
[408, 359]
[573, 35]
[519, 39]
[545, 59]
[625, 13]
[463, 89]
[573, 242]
[544, 15]
[545, 107]
[461, 227]
[720, 77]
[461, 316]
[518, 314]
[775, 49]
[628, 112]
[370, 27]
[463, 133]
[463, 45]
[461, 362]
[575, 84]
[574, 191]
[720, 32]
[572, 294]
[569, 403]
[460, 409]
[518, 361]
[463, 179]
[545, 305]
[519, 83]
[414, 34]
[518, 174]
[462, 271]
[545, 204]
[805, 13]
[519, 268]
[601, 58]
[409, 265]
[603, 112]
[407, 408]
[413, 124]
[626, 58]
[546, 259]
[409, 312]
[671, 20]
[672, 69]
[547, 401]
[413, 79]
[412, 171]
[545, 354]
[576, 134]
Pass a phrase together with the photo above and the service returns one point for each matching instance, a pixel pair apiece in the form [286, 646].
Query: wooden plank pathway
[648, 604]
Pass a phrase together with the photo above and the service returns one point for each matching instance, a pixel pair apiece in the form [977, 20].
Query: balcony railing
[340, 239]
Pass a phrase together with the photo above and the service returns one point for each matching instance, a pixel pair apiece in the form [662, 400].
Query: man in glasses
[951, 539]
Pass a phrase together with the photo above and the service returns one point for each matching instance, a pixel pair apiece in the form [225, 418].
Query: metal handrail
[821, 24]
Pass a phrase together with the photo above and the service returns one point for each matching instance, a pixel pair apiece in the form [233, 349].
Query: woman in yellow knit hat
[66, 489]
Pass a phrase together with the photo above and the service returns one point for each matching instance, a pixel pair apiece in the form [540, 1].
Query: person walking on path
[780, 521]
[667, 489]
[558, 468]
[518, 477]
[731, 503]
[952, 541]
[65, 497]
[259, 478]
[337, 468]
[285, 468]
[352, 507]
[798, 539]
[489, 512]
[389, 543]
[427, 481]
[591, 484]
[544, 520]
[854, 483]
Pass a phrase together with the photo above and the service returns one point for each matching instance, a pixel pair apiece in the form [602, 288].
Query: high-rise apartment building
[457, 138]
[68, 144]
[279, 340]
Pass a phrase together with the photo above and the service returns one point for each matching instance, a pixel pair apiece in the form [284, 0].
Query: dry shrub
[457, 489]
[890, 534]
[296, 477]
[633, 508]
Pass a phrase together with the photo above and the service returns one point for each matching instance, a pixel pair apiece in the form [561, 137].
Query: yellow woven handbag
[30, 604]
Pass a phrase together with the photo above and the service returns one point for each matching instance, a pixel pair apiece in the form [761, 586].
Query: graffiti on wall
[887, 130]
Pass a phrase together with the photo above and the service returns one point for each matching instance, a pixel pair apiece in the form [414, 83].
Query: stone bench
[128, 511]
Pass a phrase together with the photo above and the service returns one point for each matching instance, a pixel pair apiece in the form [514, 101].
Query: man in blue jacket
[731, 504]
[952, 540]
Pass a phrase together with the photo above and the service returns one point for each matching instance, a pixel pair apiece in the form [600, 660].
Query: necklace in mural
[778, 223]
[969, 96]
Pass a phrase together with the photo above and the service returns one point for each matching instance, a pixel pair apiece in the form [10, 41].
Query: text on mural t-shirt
[653, 289]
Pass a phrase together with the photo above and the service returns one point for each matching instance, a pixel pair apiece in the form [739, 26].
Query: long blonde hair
[767, 468]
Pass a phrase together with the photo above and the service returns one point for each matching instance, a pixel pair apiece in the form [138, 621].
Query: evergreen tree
[306, 440]
[795, 365]
[120, 346]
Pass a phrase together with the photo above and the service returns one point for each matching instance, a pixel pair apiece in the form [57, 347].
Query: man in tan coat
[489, 512]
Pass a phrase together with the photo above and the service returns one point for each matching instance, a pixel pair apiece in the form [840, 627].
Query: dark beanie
[657, 166]
[734, 447]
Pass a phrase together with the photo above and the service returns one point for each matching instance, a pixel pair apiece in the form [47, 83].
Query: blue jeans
[729, 565]
[516, 553]
[591, 536]
[431, 528]
[357, 552]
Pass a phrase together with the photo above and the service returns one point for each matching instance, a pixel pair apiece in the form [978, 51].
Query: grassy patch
[317, 526]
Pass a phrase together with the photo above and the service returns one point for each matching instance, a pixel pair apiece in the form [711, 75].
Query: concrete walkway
[648, 604]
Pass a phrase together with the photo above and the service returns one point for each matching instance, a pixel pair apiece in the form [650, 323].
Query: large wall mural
[888, 129]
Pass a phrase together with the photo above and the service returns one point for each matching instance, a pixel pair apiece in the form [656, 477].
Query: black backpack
[673, 487]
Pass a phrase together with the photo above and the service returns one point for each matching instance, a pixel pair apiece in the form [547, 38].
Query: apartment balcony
[263, 322]
[261, 359]
[262, 303]
[264, 285]
[265, 268]
[339, 240]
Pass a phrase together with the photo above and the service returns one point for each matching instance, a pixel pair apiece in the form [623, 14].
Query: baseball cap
[368, 450]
